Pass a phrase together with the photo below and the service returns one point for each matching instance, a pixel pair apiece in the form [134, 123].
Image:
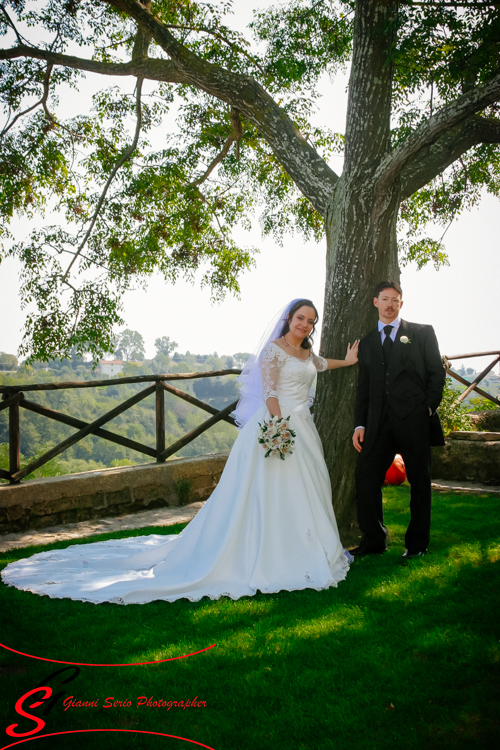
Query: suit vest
[402, 394]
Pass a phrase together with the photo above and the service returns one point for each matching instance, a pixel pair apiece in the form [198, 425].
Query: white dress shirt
[395, 327]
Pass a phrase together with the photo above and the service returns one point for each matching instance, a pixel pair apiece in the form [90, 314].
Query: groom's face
[388, 303]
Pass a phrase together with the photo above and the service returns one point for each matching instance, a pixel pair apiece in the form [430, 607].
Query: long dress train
[268, 526]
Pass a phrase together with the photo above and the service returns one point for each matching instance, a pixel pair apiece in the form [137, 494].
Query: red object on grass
[396, 473]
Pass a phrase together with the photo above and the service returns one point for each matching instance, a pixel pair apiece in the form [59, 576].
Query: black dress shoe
[361, 551]
[410, 555]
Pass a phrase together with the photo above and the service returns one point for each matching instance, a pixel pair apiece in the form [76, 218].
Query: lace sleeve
[271, 362]
[320, 363]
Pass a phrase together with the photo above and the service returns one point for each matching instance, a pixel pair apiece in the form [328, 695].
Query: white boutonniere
[404, 340]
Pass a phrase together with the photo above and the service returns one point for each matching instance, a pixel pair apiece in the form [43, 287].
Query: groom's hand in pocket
[358, 437]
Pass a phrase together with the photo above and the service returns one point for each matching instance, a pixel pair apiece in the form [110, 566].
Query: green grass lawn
[401, 655]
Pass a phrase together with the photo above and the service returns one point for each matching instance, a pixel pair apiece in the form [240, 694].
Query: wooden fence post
[14, 440]
[89, 428]
[477, 380]
[160, 421]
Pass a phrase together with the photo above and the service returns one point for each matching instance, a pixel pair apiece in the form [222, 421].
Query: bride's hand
[352, 353]
[272, 404]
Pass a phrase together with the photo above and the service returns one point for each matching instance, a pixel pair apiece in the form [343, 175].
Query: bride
[268, 526]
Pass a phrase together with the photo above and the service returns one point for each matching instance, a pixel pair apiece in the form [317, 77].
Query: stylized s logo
[18, 708]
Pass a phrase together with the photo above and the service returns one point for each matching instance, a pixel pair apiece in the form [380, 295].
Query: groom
[400, 386]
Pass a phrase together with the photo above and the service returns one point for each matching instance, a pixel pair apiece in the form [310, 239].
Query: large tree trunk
[356, 229]
[361, 243]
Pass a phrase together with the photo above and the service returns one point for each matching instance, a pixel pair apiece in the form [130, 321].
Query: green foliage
[444, 51]
[129, 346]
[453, 416]
[450, 47]
[217, 391]
[303, 40]
[443, 199]
[164, 346]
[52, 468]
[481, 404]
[8, 361]
[80, 465]
[117, 462]
[240, 359]
[172, 205]
[154, 215]
[421, 252]
[38, 434]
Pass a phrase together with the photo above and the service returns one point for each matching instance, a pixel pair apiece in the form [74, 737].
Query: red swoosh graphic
[83, 664]
[136, 731]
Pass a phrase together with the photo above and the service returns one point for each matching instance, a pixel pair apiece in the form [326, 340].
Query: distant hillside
[138, 423]
[490, 384]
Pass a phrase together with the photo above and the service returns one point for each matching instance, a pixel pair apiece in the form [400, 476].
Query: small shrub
[51, 469]
[453, 416]
[480, 404]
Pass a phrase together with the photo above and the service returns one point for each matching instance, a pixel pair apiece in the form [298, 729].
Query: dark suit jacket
[416, 376]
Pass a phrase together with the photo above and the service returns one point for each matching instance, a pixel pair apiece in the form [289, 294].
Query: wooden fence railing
[474, 385]
[14, 399]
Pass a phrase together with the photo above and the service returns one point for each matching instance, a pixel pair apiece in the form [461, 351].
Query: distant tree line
[8, 362]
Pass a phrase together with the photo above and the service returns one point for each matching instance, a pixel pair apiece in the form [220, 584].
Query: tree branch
[46, 89]
[305, 166]
[9, 125]
[436, 126]
[142, 39]
[12, 25]
[42, 101]
[234, 137]
[220, 37]
[447, 149]
[141, 67]
[452, 3]
[224, 152]
[125, 157]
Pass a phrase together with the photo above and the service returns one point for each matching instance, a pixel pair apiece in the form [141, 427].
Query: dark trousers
[408, 436]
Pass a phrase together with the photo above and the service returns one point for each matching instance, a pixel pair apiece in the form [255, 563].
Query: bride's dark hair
[307, 343]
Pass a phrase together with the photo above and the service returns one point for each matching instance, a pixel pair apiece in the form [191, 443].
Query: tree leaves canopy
[157, 176]
[130, 346]
[165, 346]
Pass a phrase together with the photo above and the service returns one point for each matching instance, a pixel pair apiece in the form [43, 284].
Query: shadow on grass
[401, 654]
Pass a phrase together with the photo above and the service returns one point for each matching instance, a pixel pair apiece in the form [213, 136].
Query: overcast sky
[460, 301]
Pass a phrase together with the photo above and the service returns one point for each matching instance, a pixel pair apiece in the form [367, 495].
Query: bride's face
[302, 322]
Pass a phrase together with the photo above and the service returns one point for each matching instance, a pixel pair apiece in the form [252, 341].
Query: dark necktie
[388, 342]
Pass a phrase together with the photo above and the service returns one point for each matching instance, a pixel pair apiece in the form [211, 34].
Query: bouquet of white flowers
[276, 437]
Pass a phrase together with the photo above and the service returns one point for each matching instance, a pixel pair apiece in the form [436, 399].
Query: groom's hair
[388, 285]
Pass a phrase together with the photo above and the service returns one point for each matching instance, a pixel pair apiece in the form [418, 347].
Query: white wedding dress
[268, 526]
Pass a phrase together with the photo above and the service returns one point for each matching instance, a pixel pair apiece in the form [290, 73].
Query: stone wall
[488, 420]
[109, 492]
[468, 456]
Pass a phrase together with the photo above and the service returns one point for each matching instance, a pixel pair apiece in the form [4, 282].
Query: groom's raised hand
[358, 437]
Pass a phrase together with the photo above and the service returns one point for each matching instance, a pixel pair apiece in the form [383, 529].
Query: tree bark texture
[361, 250]
[361, 243]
